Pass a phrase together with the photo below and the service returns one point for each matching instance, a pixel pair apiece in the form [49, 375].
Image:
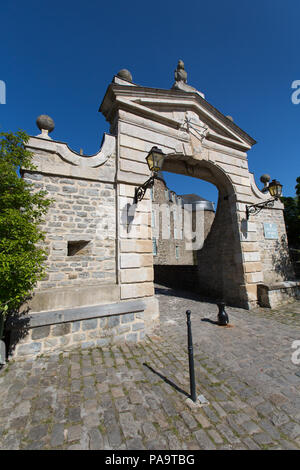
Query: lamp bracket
[256, 208]
[141, 190]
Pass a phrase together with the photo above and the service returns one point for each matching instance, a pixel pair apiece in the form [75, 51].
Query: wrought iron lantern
[155, 160]
[275, 190]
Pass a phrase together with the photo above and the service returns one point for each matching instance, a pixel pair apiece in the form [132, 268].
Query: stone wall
[274, 253]
[87, 327]
[96, 262]
[80, 229]
[166, 213]
[219, 264]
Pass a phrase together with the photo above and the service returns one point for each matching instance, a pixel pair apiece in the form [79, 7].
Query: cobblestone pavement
[135, 396]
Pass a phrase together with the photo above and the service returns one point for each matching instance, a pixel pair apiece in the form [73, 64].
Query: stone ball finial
[265, 178]
[45, 123]
[230, 118]
[125, 74]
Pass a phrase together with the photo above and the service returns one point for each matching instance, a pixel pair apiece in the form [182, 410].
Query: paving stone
[74, 415]
[291, 429]
[149, 431]
[215, 436]
[250, 444]
[211, 416]
[270, 429]
[117, 392]
[288, 445]
[222, 413]
[202, 420]
[57, 436]
[251, 428]
[262, 438]
[226, 432]
[189, 420]
[204, 441]
[172, 440]
[159, 444]
[114, 437]
[129, 425]
[122, 404]
[96, 439]
[135, 444]
[38, 432]
[265, 409]
[74, 433]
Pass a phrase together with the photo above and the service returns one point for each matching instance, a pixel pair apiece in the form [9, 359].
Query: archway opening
[206, 260]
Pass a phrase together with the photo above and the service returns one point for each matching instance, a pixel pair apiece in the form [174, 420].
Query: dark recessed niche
[78, 247]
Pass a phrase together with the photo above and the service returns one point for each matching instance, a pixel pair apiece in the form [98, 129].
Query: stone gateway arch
[99, 285]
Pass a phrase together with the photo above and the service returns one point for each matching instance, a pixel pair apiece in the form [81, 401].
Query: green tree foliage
[21, 211]
[292, 216]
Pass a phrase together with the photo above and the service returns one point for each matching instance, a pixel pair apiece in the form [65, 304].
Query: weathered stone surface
[89, 324]
[29, 349]
[61, 329]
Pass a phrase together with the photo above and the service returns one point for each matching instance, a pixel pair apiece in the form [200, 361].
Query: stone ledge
[274, 295]
[282, 285]
[75, 314]
[61, 298]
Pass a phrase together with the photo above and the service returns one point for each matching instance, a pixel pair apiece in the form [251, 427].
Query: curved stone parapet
[260, 195]
[63, 150]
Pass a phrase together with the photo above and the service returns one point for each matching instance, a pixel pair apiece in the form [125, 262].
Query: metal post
[191, 357]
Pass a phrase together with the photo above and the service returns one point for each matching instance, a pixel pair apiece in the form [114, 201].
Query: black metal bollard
[223, 319]
[191, 357]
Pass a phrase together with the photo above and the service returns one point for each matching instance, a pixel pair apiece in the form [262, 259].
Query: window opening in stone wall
[154, 244]
[78, 247]
[153, 219]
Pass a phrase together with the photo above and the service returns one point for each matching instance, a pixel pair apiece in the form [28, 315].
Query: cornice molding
[135, 100]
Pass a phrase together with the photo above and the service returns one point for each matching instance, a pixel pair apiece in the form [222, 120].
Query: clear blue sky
[58, 57]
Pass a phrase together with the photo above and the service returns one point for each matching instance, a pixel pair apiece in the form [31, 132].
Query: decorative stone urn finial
[45, 124]
[125, 75]
[180, 73]
[181, 79]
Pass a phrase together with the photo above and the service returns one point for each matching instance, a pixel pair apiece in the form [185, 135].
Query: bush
[21, 211]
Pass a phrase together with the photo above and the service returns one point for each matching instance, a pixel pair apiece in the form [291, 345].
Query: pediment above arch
[187, 112]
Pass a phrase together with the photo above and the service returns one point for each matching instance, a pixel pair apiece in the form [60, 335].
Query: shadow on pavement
[170, 292]
[169, 382]
[208, 320]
